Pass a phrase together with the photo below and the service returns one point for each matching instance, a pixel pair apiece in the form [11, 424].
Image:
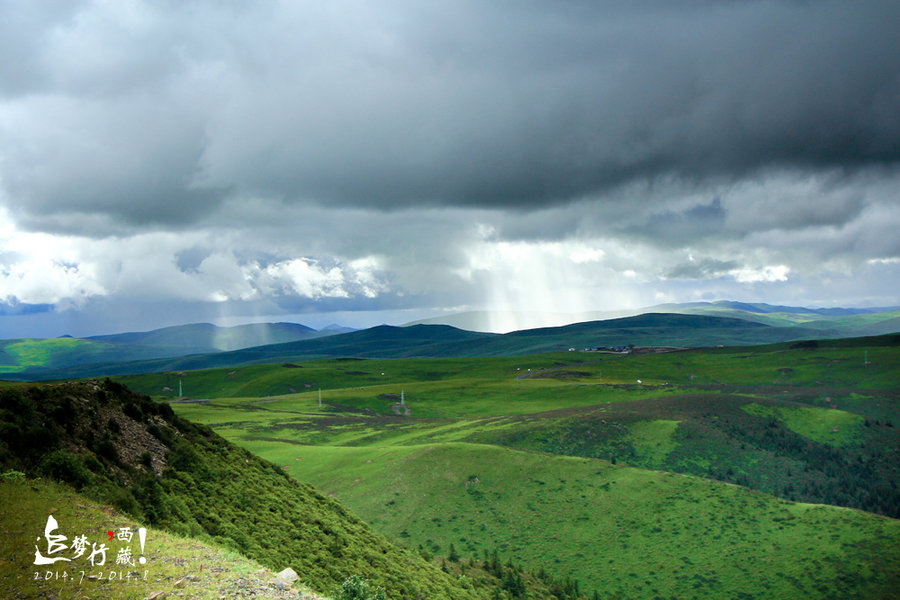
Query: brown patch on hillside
[561, 375]
[131, 440]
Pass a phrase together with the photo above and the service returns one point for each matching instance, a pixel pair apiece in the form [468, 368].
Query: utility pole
[320, 397]
[179, 388]
[402, 401]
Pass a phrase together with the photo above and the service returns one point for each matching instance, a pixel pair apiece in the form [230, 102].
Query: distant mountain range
[204, 338]
[763, 308]
[853, 321]
[200, 346]
[19, 357]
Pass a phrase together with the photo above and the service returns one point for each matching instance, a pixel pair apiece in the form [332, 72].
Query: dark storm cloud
[21, 42]
[702, 269]
[228, 159]
[23, 309]
[191, 258]
[675, 227]
[532, 107]
[151, 114]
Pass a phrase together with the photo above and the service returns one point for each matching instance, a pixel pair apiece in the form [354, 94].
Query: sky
[361, 163]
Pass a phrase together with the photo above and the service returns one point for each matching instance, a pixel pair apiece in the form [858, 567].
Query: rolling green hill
[444, 341]
[724, 471]
[789, 363]
[123, 449]
[600, 466]
[205, 337]
[631, 533]
[827, 322]
[48, 358]
[378, 341]
[18, 357]
[836, 322]
[202, 346]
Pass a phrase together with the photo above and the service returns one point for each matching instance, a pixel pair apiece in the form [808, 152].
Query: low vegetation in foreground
[174, 564]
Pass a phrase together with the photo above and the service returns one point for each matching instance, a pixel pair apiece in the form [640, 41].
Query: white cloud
[304, 277]
[37, 268]
[37, 281]
[767, 273]
[586, 254]
[223, 278]
[365, 275]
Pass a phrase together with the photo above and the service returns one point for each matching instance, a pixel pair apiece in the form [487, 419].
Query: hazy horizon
[494, 321]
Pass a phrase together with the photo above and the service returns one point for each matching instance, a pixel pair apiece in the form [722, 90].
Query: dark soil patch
[561, 375]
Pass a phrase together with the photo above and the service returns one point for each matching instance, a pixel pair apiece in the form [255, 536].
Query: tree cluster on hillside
[507, 580]
[860, 476]
[721, 441]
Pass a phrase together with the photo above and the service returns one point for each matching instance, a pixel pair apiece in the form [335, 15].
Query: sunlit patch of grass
[26, 353]
[826, 425]
[653, 440]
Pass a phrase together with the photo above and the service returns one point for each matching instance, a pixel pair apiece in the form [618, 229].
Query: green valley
[734, 472]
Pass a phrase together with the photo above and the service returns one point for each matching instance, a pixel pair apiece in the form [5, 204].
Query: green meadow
[17, 355]
[626, 532]
[833, 427]
[872, 367]
[729, 472]
[23, 358]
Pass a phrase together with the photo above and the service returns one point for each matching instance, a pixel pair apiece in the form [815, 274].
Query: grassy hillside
[836, 363]
[443, 341]
[804, 322]
[179, 566]
[174, 564]
[206, 337]
[795, 450]
[127, 451]
[630, 533]
[18, 356]
[203, 346]
[826, 322]
[533, 455]
[48, 358]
